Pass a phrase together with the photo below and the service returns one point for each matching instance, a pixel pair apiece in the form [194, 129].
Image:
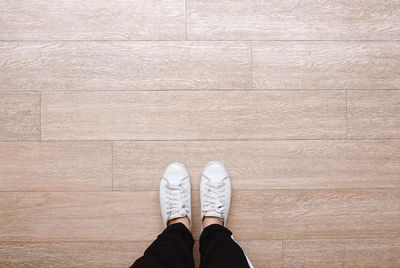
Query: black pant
[174, 249]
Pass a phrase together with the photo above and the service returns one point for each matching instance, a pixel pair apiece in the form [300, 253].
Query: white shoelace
[177, 200]
[214, 198]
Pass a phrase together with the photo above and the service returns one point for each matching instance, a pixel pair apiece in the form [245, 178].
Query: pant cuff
[178, 227]
[212, 229]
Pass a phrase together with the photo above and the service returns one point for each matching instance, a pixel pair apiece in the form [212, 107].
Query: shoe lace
[177, 199]
[214, 197]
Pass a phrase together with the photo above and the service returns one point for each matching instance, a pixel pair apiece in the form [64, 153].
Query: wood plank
[268, 164]
[135, 216]
[376, 252]
[125, 65]
[299, 214]
[293, 20]
[326, 65]
[113, 253]
[71, 254]
[55, 166]
[163, 115]
[373, 114]
[19, 115]
[92, 20]
[79, 216]
[263, 253]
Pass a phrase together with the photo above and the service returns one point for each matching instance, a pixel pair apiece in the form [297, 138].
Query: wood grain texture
[19, 115]
[293, 20]
[373, 114]
[375, 252]
[263, 253]
[267, 214]
[300, 214]
[125, 65]
[55, 166]
[79, 216]
[326, 65]
[299, 99]
[92, 20]
[255, 165]
[71, 254]
[163, 115]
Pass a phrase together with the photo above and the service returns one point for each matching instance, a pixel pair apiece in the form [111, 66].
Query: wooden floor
[299, 99]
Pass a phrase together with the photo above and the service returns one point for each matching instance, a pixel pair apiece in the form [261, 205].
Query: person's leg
[174, 247]
[217, 247]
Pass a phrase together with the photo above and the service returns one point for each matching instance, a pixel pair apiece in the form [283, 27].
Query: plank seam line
[251, 64]
[40, 114]
[199, 40]
[203, 140]
[183, 90]
[153, 140]
[197, 190]
[347, 134]
[196, 240]
[112, 165]
[185, 20]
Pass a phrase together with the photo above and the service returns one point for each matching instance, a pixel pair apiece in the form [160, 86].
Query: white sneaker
[215, 192]
[175, 193]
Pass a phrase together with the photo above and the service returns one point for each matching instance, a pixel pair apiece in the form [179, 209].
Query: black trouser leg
[219, 250]
[172, 249]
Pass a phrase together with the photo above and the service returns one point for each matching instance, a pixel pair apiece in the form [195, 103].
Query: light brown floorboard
[55, 166]
[376, 252]
[125, 65]
[293, 20]
[255, 165]
[19, 115]
[92, 20]
[268, 214]
[263, 253]
[374, 114]
[70, 254]
[164, 115]
[79, 216]
[326, 65]
[297, 214]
